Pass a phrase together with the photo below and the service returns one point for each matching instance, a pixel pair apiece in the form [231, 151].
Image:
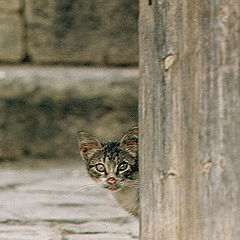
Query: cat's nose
[111, 180]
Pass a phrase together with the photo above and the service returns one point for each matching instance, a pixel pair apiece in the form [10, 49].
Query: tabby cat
[114, 165]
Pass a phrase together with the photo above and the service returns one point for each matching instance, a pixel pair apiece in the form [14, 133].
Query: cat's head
[115, 164]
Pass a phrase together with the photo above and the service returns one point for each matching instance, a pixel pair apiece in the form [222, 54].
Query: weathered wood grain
[190, 119]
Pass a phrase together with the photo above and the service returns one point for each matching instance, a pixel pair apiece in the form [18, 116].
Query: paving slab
[50, 203]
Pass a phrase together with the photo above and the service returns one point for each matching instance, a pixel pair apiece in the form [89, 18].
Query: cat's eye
[123, 166]
[100, 167]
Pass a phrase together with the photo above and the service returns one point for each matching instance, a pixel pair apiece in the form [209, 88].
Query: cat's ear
[129, 141]
[88, 145]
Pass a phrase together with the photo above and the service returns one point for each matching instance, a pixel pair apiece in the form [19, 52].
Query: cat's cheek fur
[128, 198]
[95, 175]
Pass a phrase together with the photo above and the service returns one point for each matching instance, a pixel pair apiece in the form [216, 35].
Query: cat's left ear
[88, 145]
[129, 141]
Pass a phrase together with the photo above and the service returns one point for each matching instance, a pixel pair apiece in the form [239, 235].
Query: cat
[114, 165]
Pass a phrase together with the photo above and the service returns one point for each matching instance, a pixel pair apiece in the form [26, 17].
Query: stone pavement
[58, 201]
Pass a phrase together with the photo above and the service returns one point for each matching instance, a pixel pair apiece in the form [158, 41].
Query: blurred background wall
[85, 32]
[42, 105]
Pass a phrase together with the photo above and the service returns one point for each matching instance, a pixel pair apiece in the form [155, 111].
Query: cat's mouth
[111, 187]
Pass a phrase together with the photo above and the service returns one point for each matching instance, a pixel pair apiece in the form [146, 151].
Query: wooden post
[190, 119]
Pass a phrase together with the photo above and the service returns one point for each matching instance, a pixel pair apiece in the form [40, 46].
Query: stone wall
[42, 108]
[11, 31]
[102, 32]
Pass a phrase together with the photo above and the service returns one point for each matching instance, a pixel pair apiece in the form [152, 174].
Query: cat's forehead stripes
[110, 151]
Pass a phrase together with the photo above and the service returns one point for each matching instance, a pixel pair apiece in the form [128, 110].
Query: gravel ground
[57, 200]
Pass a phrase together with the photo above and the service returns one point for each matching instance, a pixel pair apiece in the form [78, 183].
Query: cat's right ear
[129, 141]
[88, 145]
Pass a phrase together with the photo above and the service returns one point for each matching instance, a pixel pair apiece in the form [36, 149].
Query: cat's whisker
[93, 189]
[83, 188]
